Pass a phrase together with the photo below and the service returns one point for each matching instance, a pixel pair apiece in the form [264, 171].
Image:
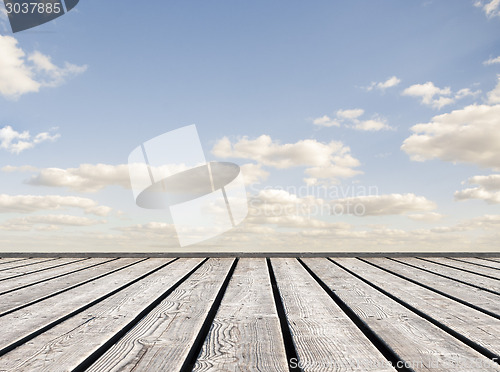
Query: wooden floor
[250, 314]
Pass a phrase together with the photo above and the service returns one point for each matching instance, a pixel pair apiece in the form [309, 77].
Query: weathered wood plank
[11, 260]
[477, 280]
[480, 298]
[23, 323]
[324, 336]
[162, 340]
[22, 281]
[65, 346]
[467, 266]
[13, 268]
[246, 333]
[14, 274]
[33, 293]
[472, 324]
[481, 262]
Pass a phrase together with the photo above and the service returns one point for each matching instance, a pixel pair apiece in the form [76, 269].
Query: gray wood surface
[65, 346]
[78, 312]
[472, 324]
[8, 285]
[162, 340]
[481, 262]
[475, 296]
[10, 260]
[24, 322]
[246, 333]
[477, 280]
[26, 295]
[325, 338]
[469, 267]
[15, 273]
[16, 268]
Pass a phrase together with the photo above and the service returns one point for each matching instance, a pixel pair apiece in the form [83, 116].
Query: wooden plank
[324, 336]
[15, 273]
[22, 281]
[246, 333]
[481, 262]
[477, 280]
[24, 264]
[468, 267]
[478, 297]
[65, 346]
[11, 260]
[472, 324]
[162, 340]
[28, 295]
[19, 325]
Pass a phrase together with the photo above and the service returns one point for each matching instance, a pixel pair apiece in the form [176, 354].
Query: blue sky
[321, 93]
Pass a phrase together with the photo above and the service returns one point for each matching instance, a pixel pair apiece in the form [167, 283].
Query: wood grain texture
[11, 260]
[468, 267]
[35, 292]
[481, 262]
[472, 324]
[24, 322]
[246, 333]
[22, 268]
[162, 340]
[15, 274]
[324, 336]
[475, 296]
[65, 346]
[8, 285]
[477, 280]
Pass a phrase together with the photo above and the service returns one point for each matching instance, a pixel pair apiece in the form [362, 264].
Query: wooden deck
[250, 314]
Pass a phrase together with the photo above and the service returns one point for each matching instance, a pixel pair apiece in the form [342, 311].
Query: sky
[360, 126]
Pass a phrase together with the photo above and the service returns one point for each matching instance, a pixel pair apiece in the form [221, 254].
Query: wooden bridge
[250, 314]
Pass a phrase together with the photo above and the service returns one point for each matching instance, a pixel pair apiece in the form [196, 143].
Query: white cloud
[326, 121]
[469, 135]
[20, 75]
[16, 142]
[492, 61]
[435, 97]
[330, 160]
[371, 125]
[49, 74]
[378, 205]
[350, 114]
[253, 173]
[490, 7]
[48, 222]
[389, 83]
[85, 178]
[35, 203]
[488, 189]
[494, 95]
[427, 93]
[350, 118]
[466, 92]
[426, 217]
[486, 222]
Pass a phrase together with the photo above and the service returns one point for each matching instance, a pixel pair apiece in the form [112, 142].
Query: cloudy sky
[359, 126]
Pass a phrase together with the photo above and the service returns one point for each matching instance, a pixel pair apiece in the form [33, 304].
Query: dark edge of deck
[244, 254]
